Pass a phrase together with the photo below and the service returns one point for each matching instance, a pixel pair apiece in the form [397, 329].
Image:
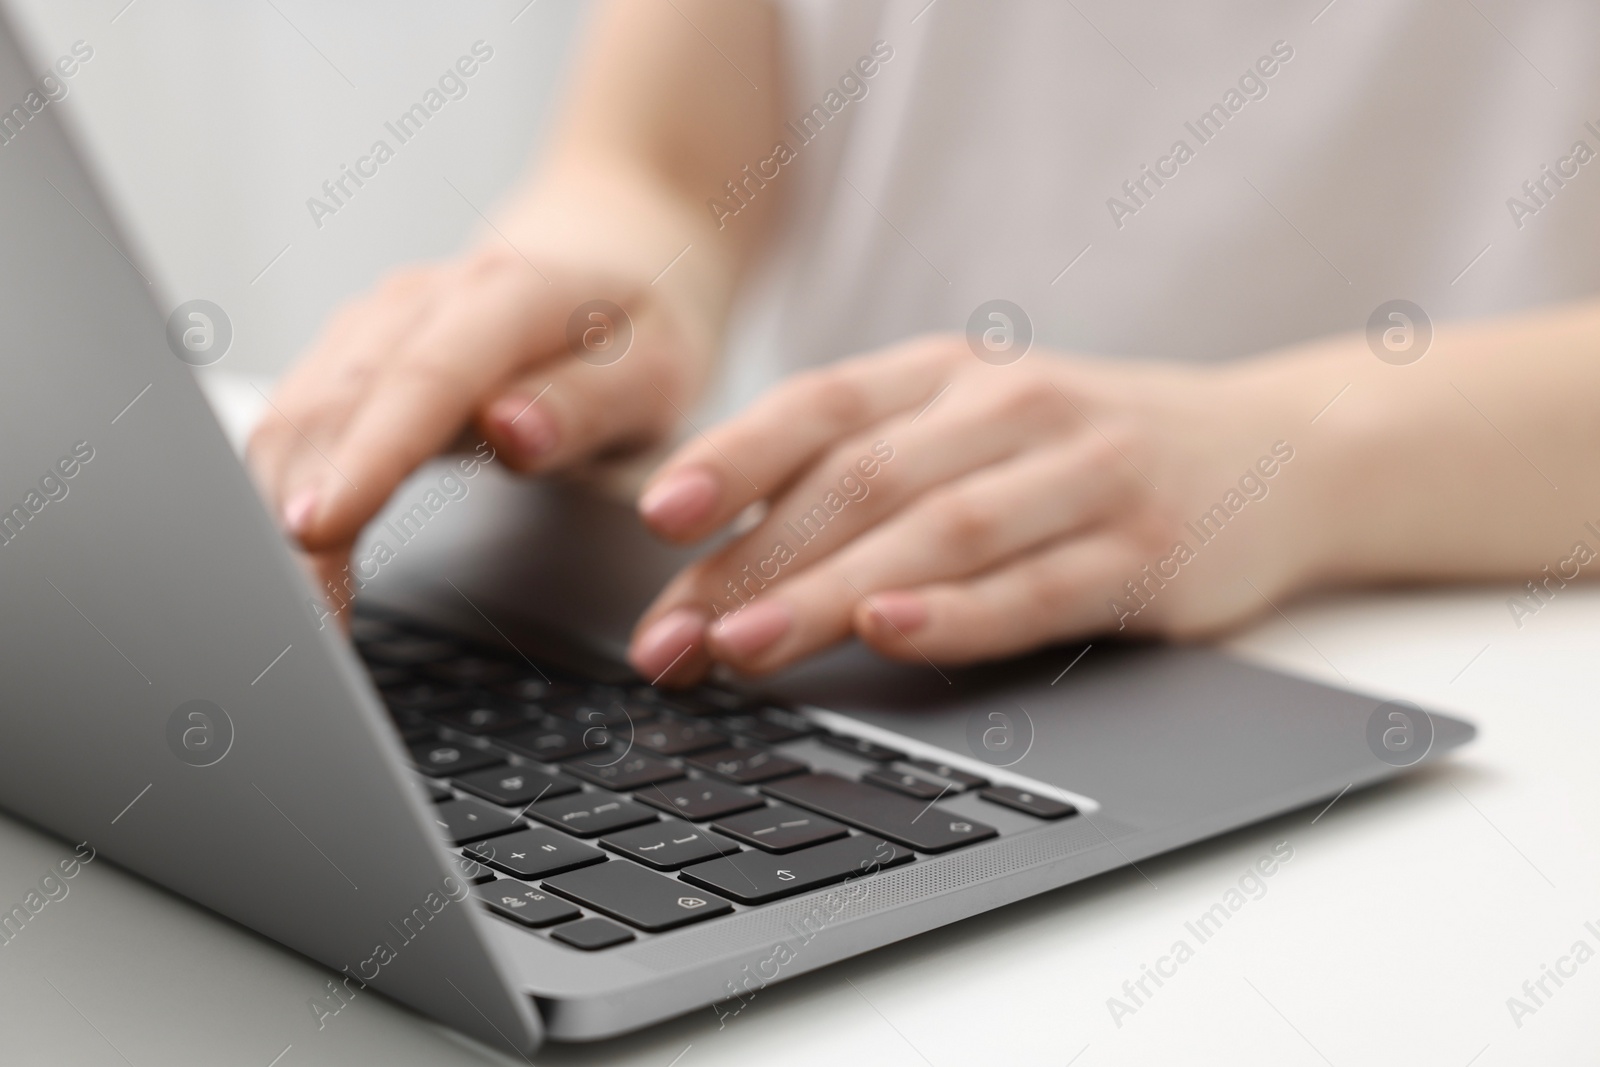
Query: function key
[441, 758]
[756, 877]
[779, 828]
[961, 779]
[912, 785]
[591, 814]
[524, 904]
[670, 738]
[699, 799]
[746, 765]
[471, 820]
[915, 824]
[1040, 807]
[627, 773]
[637, 896]
[860, 746]
[668, 845]
[515, 786]
[534, 853]
[592, 934]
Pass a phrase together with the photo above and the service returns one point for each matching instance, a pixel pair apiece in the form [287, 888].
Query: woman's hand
[489, 343]
[945, 509]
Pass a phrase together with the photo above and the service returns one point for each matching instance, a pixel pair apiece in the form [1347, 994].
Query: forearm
[1479, 461]
[654, 123]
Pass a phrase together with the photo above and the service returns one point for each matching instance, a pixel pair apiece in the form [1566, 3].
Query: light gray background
[211, 123]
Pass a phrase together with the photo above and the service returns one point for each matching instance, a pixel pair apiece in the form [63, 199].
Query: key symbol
[961, 827]
[690, 902]
[785, 876]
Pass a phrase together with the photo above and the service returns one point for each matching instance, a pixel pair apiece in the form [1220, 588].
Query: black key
[670, 738]
[554, 741]
[757, 877]
[747, 766]
[536, 689]
[523, 903]
[912, 823]
[770, 725]
[591, 814]
[468, 820]
[408, 651]
[514, 786]
[948, 773]
[423, 699]
[639, 897]
[780, 828]
[471, 870]
[668, 845]
[699, 799]
[479, 716]
[534, 853]
[630, 772]
[591, 934]
[860, 746]
[471, 670]
[912, 785]
[617, 714]
[440, 758]
[1028, 803]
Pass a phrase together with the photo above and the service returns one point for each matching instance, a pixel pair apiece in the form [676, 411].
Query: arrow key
[757, 877]
[668, 845]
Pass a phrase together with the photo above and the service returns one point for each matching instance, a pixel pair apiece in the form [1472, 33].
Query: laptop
[470, 804]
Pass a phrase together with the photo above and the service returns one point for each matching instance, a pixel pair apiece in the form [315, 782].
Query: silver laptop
[473, 807]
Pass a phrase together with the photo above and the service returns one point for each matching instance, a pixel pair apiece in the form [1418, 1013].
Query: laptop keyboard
[597, 813]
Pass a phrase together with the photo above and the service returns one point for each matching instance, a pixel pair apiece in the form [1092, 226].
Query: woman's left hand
[945, 509]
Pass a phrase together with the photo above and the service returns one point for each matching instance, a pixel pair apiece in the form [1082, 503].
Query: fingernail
[297, 511]
[680, 500]
[527, 428]
[665, 641]
[752, 628]
[905, 612]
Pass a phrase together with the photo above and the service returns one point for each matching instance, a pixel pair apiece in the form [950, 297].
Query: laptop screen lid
[171, 699]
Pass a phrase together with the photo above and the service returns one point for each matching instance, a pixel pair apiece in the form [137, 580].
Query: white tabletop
[1406, 918]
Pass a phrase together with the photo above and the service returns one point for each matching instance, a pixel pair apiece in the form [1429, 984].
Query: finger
[420, 404]
[753, 455]
[314, 401]
[864, 481]
[672, 651]
[570, 409]
[1056, 593]
[961, 529]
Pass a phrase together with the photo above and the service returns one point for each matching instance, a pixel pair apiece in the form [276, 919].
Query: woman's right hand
[484, 342]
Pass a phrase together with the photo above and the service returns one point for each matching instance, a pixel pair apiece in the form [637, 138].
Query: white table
[1406, 918]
